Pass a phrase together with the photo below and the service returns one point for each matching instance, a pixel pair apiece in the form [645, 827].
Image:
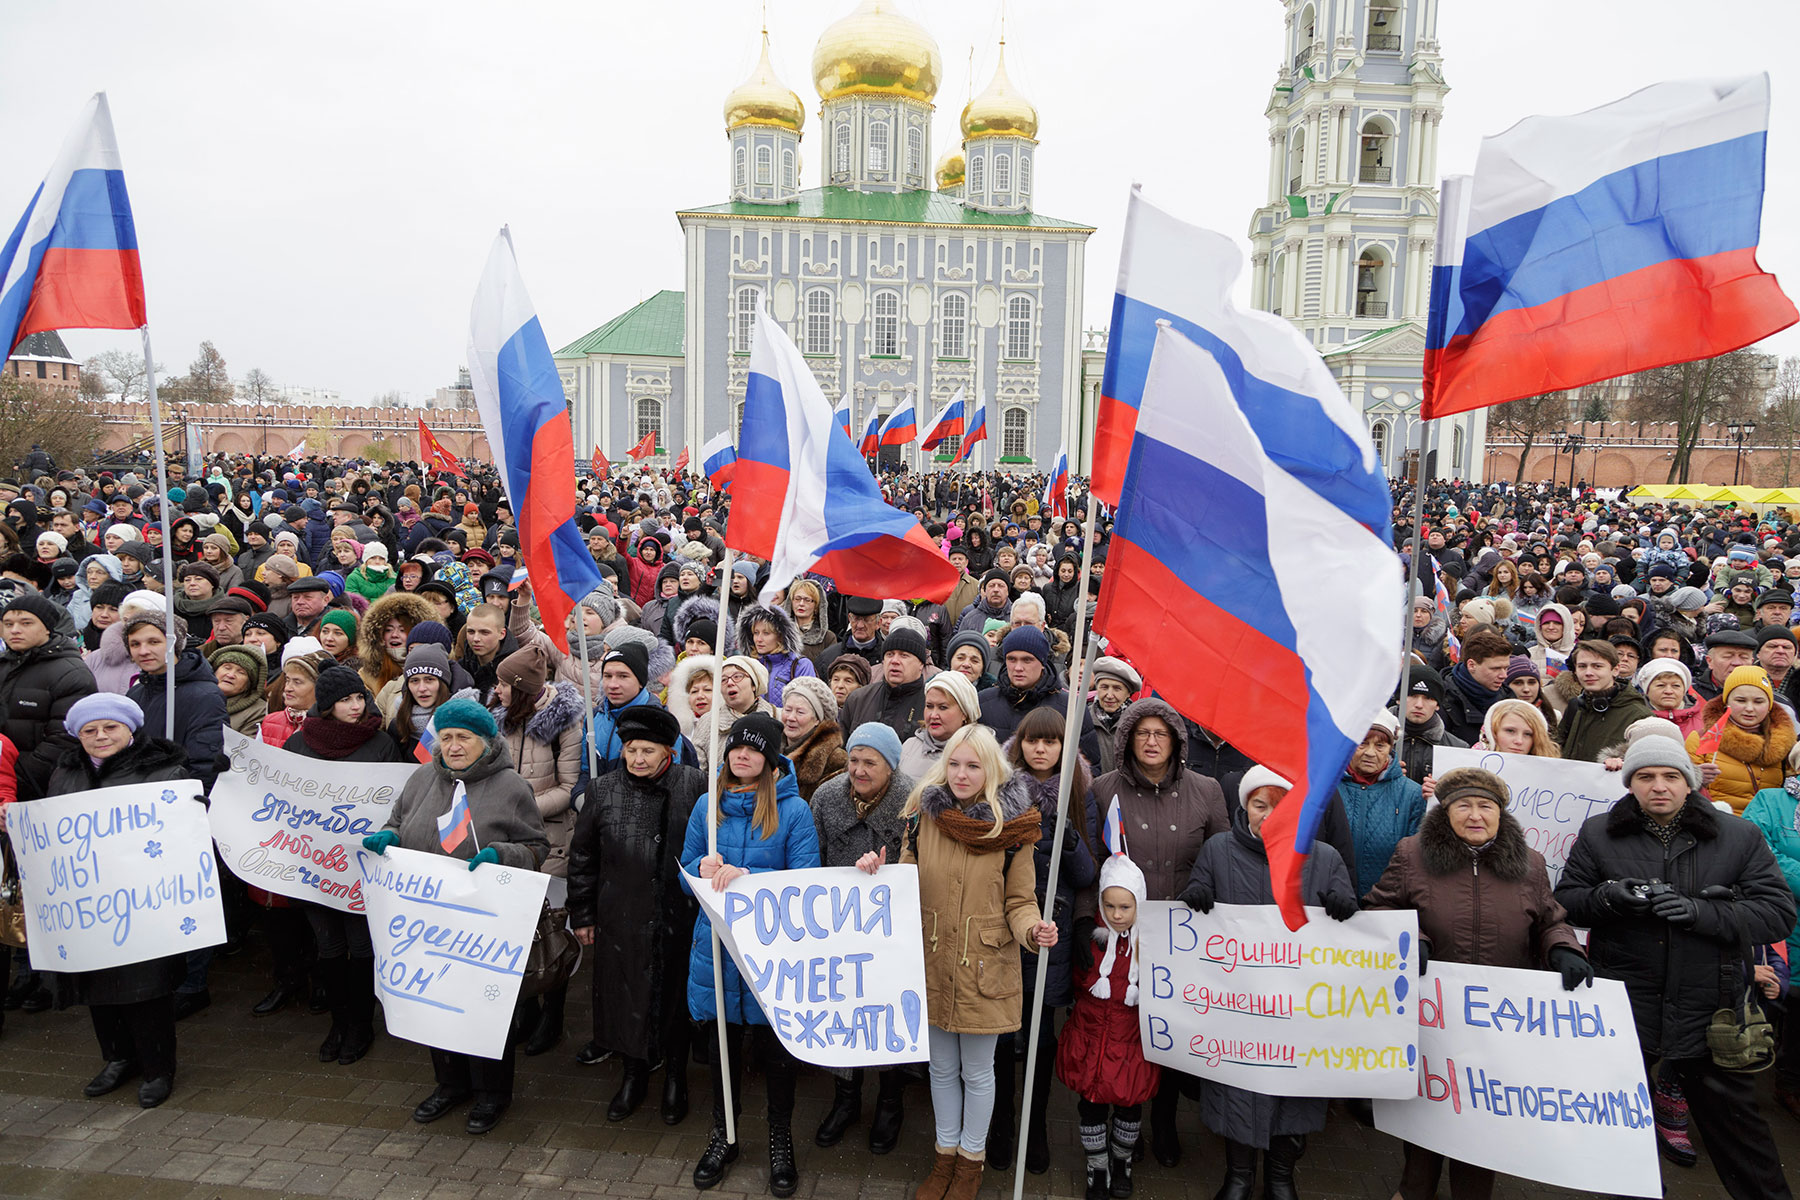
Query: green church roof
[882, 208]
[654, 327]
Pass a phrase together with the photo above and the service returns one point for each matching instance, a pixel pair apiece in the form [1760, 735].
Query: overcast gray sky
[316, 185]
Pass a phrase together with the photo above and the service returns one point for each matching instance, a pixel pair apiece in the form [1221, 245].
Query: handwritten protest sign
[835, 957]
[1551, 797]
[116, 875]
[292, 825]
[1326, 1010]
[1519, 1076]
[450, 945]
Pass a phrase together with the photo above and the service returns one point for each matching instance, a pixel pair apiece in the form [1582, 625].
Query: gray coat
[501, 804]
[845, 837]
[1236, 868]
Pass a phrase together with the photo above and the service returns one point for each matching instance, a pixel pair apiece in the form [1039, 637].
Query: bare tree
[1781, 417]
[1691, 395]
[93, 384]
[256, 387]
[388, 399]
[49, 417]
[208, 381]
[1529, 419]
[122, 371]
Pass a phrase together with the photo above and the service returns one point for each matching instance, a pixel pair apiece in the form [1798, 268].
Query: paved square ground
[255, 1114]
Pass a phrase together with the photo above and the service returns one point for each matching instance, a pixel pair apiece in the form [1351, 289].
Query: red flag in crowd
[600, 464]
[432, 452]
[682, 462]
[645, 448]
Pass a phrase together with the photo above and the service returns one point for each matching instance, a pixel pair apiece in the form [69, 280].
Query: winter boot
[632, 1090]
[1278, 1166]
[1240, 1173]
[1670, 1108]
[845, 1110]
[359, 1010]
[890, 1112]
[965, 1180]
[938, 1181]
[332, 974]
[1164, 1144]
[675, 1088]
[1124, 1141]
[718, 1155]
[1093, 1145]
[784, 1174]
[549, 1029]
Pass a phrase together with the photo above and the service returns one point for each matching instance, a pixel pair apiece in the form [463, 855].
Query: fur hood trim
[684, 672]
[783, 622]
[700, 608]
[410, 607]
[1015, 799]
[1757, 749]
[562, 711]
[1507, 856]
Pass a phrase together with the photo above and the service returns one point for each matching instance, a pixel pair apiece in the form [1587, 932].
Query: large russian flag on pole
[718, 460]
[72, 260]
[1175, 272]
[902, 425]
[802, 497]
[948, 423]
[1279, 600]
[1056, 492]
[976, 431]
[520, 397]
[1591, 246]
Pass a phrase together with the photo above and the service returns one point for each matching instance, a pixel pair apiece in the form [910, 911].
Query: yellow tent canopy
[1688, 491]
[1657, 491]
[1781, 496]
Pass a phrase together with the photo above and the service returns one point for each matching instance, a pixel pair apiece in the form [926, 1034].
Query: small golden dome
[763, 99]
[1000, 109]
[950, 170]
[875, 49]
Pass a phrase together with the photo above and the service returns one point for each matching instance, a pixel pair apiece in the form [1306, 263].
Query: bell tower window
[878, 147]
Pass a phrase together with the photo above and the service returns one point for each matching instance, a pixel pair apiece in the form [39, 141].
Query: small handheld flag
[427, 743]
[1708, 743]
[1114, 835]
[601, 466]
[1056, 492]
[432, 452]
[457, 825]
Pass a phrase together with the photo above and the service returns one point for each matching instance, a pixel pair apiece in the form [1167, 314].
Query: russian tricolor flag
[526, 417]
[718, 460]
[976, 432]
[804, 501]
[427, 743]
[1278, 598]
[1592, 246]
[871, 438]
[457, 824]
[1056, 492]
[843, 414]
[72, 260]
[949, 423]
[902, 425]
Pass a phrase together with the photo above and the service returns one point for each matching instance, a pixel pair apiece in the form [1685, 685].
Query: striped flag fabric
[457, 824]
[1114, 833]
[902, 425]
[871, 438]
[718, 460]
[948, 423]
[1056, 492]
[72, 260]
[1222, 574]
[976, 431]
[844, 414]
[805, 502]
[1591, 246]
[519, 394]
[424, 747]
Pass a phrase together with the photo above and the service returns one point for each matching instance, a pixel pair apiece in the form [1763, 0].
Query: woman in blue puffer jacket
[1382, 803]
[764, 825]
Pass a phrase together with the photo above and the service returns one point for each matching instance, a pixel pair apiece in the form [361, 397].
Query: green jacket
[1590, 724]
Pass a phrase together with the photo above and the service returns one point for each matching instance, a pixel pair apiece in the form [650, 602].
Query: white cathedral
[1343, 247]
[891, 287]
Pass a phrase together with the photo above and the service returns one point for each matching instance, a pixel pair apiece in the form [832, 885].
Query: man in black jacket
[41, 676]
[1675, 894]
[1425, 730]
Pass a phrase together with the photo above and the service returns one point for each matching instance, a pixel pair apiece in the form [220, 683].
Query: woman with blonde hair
[1517, 727]
[964, 827]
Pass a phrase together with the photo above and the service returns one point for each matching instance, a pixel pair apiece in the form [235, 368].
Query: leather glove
[1675, 908]
[377, 843]
[1573, 966]
[1339, 907]
[1198, 897]
[1081, 947]
[1424, 956]
[1617, 896]
[487, 854]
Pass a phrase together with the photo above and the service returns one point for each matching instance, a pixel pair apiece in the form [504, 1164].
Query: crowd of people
[348, 611]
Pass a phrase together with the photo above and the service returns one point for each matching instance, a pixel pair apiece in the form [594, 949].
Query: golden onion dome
[950, 170]
[763, 99]
[1000, 109]
[876, 49]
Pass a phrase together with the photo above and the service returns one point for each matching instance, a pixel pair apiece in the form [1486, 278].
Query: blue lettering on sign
[1557, 1104]
[815, 912]
[1533, 1016]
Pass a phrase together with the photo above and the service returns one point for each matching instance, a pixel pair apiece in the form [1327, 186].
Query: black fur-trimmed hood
[1015, 798]
[699, 608]
[1507, 856]
[783, 622]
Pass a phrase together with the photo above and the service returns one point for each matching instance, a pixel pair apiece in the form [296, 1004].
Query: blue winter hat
[103, 706]
[878, 737]
[1028, 639]
[464, 713]
[433, 633]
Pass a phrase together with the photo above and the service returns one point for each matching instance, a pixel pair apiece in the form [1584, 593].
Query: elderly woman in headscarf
[505, 824]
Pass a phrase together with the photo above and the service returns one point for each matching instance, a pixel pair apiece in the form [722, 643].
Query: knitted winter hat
[1260, 776]
[1749, 675]
[1660, 752]
[1647, 673]
[759, 674]
[1472, 781]
[1120, 872]
[251, 658]
[344, 619]
[427, 659]
[908, 642]
[814, 691]
[969, 637]
[956, 685]
[104, 706]
[334, 684]
[1028, 639]
[429, 633]
[463, 713]
[524, 670]
[758, 732]
[878, 736]
[633, 656]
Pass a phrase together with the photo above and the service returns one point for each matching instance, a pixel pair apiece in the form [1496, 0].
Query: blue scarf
[1480, 699]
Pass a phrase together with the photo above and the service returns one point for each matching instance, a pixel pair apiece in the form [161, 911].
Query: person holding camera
[1675, 893]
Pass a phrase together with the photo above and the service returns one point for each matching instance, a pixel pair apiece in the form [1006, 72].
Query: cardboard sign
[1327, 1010]
[1521, 1077]
[834, 956]
[1551, 797]
[450, 945]
[293, 825]
[116, 875]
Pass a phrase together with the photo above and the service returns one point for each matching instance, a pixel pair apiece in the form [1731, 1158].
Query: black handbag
[553, 956]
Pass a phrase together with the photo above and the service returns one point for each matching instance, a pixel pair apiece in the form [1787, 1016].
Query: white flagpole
[1084, 651]
[587, 692]
[168, 544]
[714, 783]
